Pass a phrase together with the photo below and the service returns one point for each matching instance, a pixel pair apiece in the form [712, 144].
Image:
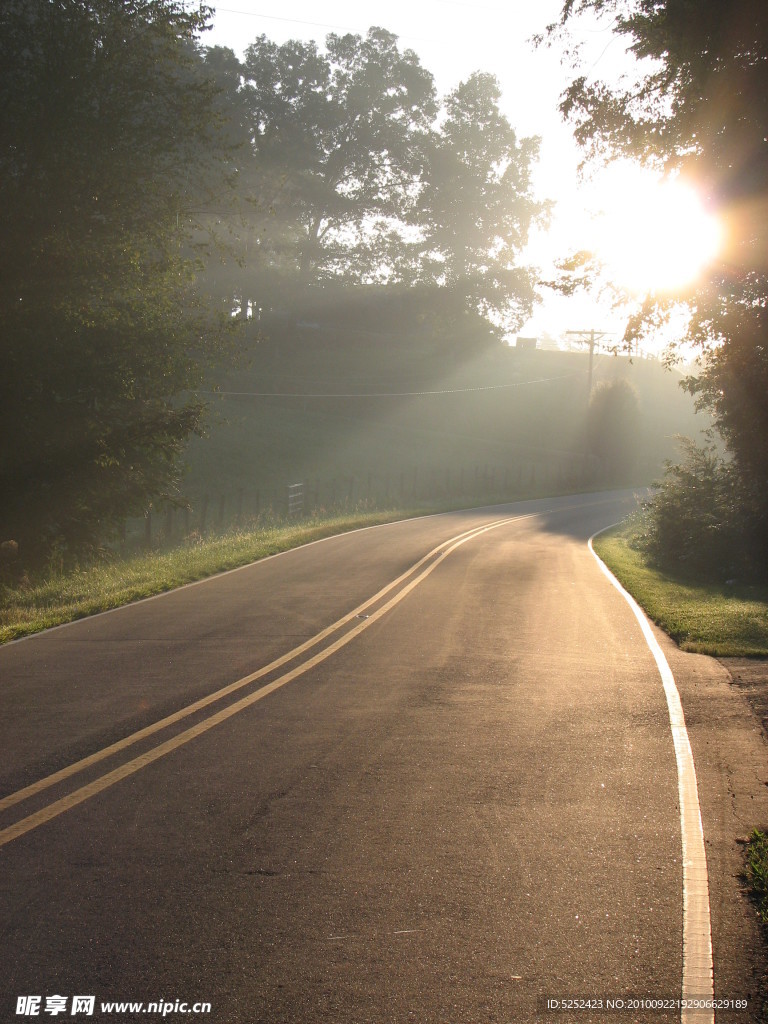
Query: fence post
[295, 494]
[148, 527]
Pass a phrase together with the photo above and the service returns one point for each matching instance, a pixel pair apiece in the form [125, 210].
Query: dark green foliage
[105, 133]
[732, 384]
[476, 204]
[150, 188]
[337, 137]
[698, 523]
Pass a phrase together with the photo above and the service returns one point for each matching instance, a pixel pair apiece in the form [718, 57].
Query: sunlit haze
[651, 235]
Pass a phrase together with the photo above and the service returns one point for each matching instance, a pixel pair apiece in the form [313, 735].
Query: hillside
[366, 416]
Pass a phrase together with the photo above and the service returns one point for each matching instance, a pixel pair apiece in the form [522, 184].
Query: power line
[344, 28]
[315, 24]
[592, 337]
[383, 394]
[275, 17]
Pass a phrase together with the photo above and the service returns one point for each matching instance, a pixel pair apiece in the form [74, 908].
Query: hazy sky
[454, 38]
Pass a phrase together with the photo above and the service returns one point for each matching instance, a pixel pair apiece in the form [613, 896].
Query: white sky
[454, 38]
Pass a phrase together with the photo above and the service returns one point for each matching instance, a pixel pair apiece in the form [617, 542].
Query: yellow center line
[98, 785]
[213, 698]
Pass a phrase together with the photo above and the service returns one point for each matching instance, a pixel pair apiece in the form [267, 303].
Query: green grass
[60, 597]
[756, 872]
[715, 619]
[755, 877]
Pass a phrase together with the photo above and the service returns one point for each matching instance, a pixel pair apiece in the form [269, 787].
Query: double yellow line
[406, 582]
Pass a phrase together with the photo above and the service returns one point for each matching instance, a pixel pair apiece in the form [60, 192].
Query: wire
[339, 28]
[384, 394]
[275, 17]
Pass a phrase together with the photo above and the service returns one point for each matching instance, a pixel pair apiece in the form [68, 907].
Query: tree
[698, 106]
[363, 180]
[693, 525]
[613, 420]
[338, 134]
[105, 152]
[476, 205]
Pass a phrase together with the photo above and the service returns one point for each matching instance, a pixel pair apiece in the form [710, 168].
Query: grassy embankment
[58, 597]
[720, 619]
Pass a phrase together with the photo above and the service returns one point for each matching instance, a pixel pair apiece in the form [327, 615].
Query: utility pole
[592, 336]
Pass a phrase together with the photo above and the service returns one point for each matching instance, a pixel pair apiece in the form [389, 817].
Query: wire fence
[249, 505]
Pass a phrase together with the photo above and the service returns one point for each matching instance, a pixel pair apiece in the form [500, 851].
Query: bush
[700, 522]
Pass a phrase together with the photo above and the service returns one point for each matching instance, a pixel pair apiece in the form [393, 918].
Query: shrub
[700, 523]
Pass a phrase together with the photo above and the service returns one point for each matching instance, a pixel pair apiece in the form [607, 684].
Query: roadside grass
[756, 872]
[705, 618]
[59, 597]
[755, 878]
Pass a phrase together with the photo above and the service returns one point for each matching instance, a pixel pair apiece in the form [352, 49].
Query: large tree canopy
[359, 176]
[339, 134]
[106, 143]
[698, 105]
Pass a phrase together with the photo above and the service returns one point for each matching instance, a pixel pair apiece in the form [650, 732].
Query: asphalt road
[439, 786]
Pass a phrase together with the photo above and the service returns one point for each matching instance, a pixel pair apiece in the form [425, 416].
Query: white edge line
[698, 965]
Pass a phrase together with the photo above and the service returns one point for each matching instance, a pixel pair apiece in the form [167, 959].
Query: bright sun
[651, 235]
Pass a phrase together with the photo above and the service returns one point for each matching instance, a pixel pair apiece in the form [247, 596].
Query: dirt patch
[750, 676]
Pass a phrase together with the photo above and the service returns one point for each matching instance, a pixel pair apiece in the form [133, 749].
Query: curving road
[422, 772]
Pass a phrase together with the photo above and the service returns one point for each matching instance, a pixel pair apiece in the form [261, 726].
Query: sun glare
[651, 235]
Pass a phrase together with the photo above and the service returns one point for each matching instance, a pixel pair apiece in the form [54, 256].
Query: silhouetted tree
[476, 205]
[613, 422]
[358, 180]
[339, 134]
